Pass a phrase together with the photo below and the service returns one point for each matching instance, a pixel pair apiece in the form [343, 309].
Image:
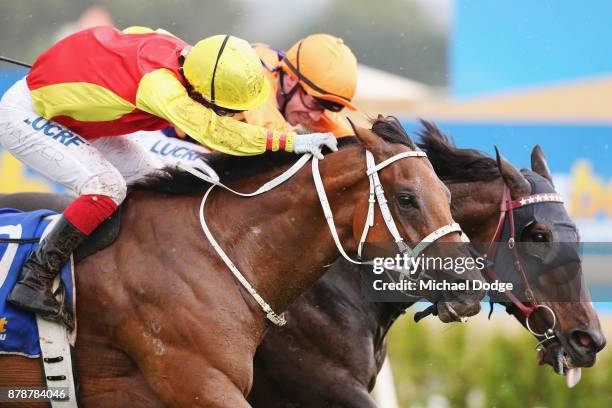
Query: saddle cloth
[18, 329]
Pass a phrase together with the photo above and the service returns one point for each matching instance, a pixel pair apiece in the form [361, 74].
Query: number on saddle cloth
[18, 329]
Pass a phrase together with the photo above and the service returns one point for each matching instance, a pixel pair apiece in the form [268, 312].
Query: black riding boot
[33, 292]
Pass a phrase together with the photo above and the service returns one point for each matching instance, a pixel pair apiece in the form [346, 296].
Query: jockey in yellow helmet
[70, 118]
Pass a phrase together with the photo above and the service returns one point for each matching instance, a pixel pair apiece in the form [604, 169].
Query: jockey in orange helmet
[311, 82]
[67, 119]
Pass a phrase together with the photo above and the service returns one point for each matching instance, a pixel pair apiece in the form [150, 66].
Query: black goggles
[319, 104]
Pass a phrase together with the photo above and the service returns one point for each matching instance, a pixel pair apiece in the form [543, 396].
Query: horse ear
[518, 185]
[366, 137]
[538, 163]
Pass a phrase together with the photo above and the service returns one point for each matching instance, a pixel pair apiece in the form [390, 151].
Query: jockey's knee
[110, 184]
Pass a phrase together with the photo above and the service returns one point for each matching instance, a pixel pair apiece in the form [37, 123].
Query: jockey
[311, 83]
[67, 120]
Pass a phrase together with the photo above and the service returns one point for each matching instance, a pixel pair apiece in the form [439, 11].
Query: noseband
[377, 194]
[507, 208]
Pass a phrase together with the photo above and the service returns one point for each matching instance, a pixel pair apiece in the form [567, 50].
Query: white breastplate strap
[273, 317]
[278, 320]
[376, 195]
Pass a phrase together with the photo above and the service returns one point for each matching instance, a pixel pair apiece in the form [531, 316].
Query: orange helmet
[325, 67]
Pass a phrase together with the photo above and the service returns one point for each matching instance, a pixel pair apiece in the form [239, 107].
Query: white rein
[377, 194]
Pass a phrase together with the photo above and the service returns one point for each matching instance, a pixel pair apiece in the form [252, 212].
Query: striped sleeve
[160, 93]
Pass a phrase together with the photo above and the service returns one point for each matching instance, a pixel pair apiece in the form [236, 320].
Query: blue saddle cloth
[18, 329]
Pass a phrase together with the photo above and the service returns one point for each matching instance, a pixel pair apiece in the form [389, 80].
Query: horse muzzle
[457, 311]
[569, 353]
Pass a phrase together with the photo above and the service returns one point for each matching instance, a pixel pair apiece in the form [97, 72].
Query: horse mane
[391, 130]
[171, 180]
[453, 164]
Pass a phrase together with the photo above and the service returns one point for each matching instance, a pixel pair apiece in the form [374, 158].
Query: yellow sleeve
[267, 115]
[161, 94]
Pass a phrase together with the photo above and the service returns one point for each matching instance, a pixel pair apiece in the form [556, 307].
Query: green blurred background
[485, 364]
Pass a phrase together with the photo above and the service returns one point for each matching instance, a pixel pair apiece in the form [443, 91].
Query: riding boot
[33, 292]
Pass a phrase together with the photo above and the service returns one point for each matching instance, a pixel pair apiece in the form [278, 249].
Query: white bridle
[377, 194]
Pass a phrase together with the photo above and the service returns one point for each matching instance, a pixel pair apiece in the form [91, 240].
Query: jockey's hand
[313, 142]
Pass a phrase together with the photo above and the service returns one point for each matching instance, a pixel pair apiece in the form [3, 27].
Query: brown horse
[332, 349]
[162, 322]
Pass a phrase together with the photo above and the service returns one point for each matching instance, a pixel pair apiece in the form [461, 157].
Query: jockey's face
[302, 109]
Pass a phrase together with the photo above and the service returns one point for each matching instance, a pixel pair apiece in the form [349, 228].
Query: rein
[507, 207]
[376, 195]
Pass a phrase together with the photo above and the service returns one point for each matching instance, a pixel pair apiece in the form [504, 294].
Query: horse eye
[407, 201]
[539, 237]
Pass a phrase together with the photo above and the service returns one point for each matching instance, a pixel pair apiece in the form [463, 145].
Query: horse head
[557, 306]
[420, 205]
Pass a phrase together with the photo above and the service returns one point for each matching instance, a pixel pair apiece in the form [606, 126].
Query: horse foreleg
[185, 381]
[119, 392]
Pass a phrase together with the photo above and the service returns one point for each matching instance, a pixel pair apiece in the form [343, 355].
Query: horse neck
[375, 318]
[475, 206]
[280, 240]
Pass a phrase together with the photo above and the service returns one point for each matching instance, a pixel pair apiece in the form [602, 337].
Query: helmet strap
[181, 61]
[212, 81]
[286, 95]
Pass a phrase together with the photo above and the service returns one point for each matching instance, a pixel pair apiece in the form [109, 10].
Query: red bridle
[507, 207]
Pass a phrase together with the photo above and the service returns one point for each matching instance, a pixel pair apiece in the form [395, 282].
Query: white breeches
[103, 166]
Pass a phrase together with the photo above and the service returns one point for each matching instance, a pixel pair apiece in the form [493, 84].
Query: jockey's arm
[160, 93]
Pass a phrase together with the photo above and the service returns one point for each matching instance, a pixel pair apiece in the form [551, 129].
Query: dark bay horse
[334, 345]
[162, 322]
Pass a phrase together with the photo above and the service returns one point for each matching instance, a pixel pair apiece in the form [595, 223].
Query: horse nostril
[593, 342]
[584, 339]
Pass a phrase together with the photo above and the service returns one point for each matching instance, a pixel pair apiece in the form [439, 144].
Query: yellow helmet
[145, 30]
[227, 72]
[325, 67]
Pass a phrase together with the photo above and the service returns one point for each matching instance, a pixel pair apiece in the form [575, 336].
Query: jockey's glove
[313, 142]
